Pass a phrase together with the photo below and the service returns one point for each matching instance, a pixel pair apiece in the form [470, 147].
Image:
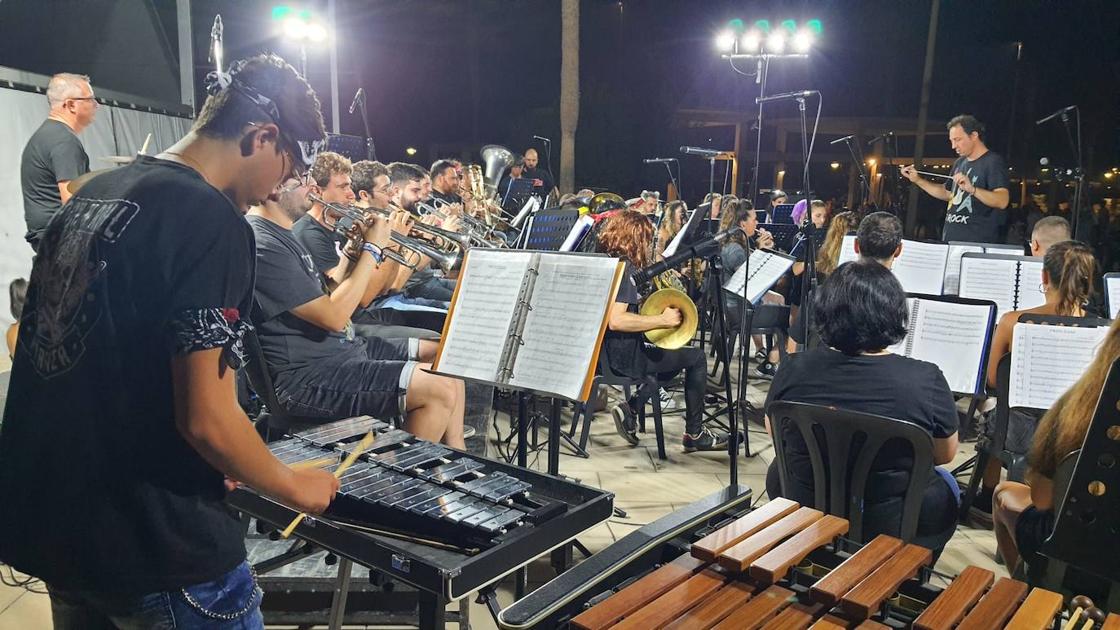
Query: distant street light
[835, 166]
[410, 150]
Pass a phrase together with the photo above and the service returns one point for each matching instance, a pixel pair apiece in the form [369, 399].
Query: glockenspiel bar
[1037, 611]
[995, 608]
[830, 588]
[741, 555]
[951, 605]
[711, 546]
[341, 429]
[864, 600]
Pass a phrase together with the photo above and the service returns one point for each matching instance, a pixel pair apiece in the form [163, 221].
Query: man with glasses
[122, 427]
[54, 156]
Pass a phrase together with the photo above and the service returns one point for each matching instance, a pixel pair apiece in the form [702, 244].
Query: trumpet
[472, 224]
[448, 261]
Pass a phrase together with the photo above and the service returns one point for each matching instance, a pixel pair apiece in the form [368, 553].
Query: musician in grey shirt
[53, 155]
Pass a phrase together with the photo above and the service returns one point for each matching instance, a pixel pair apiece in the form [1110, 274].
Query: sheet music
[766, 268]
[579, 229]
[690, 225]
[955, 338]
[920, 268]
[1030, 284]
[847, 250]
[1112, 290]
[953, 265]
[1047, 360]
[561, 334]
[482, 313]
[989, 279]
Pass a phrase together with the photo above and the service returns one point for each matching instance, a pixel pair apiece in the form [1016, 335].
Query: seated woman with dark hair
[1024, 513]
[628, 235]
[860, 311]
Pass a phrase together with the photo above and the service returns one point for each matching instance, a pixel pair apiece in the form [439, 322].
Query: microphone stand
[719, 317]
[809, 273]
[857, 159]
[371, 150]
[1075, 147]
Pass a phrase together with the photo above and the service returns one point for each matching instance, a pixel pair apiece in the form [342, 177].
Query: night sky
[447, 76]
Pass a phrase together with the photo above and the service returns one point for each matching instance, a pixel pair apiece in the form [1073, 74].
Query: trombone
[447, 260]
[473, 226]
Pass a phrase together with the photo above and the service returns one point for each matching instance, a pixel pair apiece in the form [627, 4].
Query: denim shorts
[353, 385]
[231, 602]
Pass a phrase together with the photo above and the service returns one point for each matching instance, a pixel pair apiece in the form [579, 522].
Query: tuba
[497, 159]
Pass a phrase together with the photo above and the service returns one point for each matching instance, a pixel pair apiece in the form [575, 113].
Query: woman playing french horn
[628, 235]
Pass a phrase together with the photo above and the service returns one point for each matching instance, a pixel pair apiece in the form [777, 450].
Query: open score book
[953, 334]
[529, 320]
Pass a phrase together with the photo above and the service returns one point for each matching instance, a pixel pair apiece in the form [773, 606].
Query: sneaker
[765, 370]
[706, 440]
[980, 512]
[668, 403]
[625, 424]
[468, 432]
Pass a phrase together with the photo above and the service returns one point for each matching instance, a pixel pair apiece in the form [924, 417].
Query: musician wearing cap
[53, 156]
[629, 235]
[122, 421]
[977, 190]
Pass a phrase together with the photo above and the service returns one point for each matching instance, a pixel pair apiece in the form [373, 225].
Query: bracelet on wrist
[374, 251]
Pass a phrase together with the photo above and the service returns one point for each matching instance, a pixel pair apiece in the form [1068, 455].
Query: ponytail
[1071, 268]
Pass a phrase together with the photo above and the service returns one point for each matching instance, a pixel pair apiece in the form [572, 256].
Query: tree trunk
[569, 93]
[923, 116]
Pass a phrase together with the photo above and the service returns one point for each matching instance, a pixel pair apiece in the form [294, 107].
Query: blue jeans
[231, 602]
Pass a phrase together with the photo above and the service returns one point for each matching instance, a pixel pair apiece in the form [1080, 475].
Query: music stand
[782, 213]
[353, 147]
[517, 193]
[784, 234]
[549, 228]
[689, 232]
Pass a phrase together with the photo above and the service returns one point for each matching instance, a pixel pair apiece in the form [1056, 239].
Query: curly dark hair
[363, 174]
[627, 235]
[861, 307]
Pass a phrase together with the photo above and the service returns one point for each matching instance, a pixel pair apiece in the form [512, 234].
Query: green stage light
[815, 26]
[763, 25]
[736, 25]
[789, 25]
[281, 12]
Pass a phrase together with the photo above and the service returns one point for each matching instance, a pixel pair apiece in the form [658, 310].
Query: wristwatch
[374, 251]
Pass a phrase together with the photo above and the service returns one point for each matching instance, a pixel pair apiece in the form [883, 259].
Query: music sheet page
[955, 338]
[1112, 290]
[989, 279]
[1047, 360]
[561, 335]
[921, 267]
[1030, 284]
[766, 268]
[900, 347]
[847, 250]
[953, 265]
[579, 230]
[483, 310]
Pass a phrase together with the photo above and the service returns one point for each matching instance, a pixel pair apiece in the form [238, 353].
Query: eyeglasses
[83, 98]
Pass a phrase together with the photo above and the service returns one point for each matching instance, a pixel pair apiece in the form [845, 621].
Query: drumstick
[350, 459]
[144, 149]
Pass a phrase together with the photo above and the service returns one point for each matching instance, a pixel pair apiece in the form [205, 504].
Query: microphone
[880, 137]
[659, 160]
[1061, 112]
[785, 96]
[542, 138]
[700, 151]
[357, 97]
[844, 139]
[699, 250]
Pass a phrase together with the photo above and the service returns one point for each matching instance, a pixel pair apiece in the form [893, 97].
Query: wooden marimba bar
[736, 578]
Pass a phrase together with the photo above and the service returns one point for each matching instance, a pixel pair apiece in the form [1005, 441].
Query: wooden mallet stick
[350, 459]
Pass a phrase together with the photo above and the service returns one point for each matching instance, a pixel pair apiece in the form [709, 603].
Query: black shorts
[1031, 530]
[372, 381]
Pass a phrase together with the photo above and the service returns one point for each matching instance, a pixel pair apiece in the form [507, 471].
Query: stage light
[751, 41]
[281, 12]
[316, 32]
[776, 43]
[294, 28]
[1108, 175]
[803, 41]
[410, 150]
[789, 25]
[763, 25]
[736, 25]
[835, 165]
[725, 41]
[815, 26]
[871, 162]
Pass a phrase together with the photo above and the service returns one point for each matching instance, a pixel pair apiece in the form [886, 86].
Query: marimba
[776, 567]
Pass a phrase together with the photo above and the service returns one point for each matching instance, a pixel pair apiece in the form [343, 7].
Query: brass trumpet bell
[604, 201]
[671, 338]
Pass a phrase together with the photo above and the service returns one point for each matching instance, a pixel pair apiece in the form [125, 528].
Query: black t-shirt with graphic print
[101, 491]
[968, 219]
[323, 244]
[287, 278]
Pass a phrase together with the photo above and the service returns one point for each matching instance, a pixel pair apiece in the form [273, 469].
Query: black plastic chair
[275, 417]
[605, 376]
[850, 441]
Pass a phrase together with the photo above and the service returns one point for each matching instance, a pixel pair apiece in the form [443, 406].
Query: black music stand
[785, 234]
[1086, 519]
[549, 228]
[517, 193]
[353, 147]
[782, 213]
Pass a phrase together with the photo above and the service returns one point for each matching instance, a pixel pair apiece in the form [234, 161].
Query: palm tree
[569, 93]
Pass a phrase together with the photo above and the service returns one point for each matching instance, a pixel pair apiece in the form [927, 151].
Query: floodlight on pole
[776, 42]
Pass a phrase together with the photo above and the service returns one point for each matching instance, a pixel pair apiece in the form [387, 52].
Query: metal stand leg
[465, 613]
[341, 590]
[522, 430]
[433, 611]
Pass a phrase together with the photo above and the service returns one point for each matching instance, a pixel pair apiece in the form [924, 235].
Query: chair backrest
[261, 381]
[851, 440]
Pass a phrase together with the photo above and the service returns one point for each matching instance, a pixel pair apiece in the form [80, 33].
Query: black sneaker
[624, 423]
[765, 370]
[706, 440]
